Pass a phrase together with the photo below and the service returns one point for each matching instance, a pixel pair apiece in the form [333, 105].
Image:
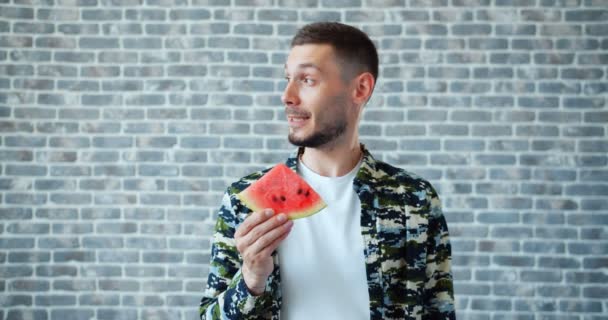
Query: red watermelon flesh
[285, 192]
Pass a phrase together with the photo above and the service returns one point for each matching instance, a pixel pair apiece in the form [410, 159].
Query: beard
[333, 124]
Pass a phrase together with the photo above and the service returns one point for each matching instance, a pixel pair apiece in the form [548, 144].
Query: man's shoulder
[387, 175]
[242, 183]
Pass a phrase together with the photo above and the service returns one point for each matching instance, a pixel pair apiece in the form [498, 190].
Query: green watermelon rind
[250, 203]
[253, 202]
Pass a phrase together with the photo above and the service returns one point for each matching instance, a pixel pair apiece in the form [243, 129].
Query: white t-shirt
[322, 263]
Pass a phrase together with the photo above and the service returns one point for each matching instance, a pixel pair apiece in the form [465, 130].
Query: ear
[363, 88]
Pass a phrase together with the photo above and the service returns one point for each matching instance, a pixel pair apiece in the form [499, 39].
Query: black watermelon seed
[299, 191]
[307, 193]
[283, 198]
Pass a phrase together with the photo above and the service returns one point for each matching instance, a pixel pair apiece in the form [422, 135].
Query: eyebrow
[306, 65]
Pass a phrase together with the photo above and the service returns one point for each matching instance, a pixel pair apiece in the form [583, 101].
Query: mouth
[296, 120]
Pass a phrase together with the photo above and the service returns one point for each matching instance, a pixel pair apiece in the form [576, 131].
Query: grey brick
[25, 199]
[549, 145]
[98, 43]
[497, 217]
[594, 204]
[537, 130]
[367, 16]
[160, 313]
[104, 299]
[578, 103]
[159, 57]
[74, 285]
[28, 257]
[405, 43]
[583, 131]
[485, 304]
[587, 189]
[559, 263]
[580, 306]
[439, 44]
[17, 300]
[594, 233]
[162, 257]
[512, 232]
[558, 291]
[541, 276]
[595, 262]
[115, 198]
[470, 260]
[181, 300]
[588, 248]
[115, 256]
[121, 314]
[28, 228]
[585, 277]
[166, 29]
[556, 233]
[535, 305]
[586, 15]
[581, 73]
[70, 198]
[595, 292]
[471, 29]
[119, 285]
[252, 86]
[56, 213]
[595, 88]
[544, 247]
[34, 314]
[596, 29]
[78, 29]
[17, 272]
[29, 285]
[16, 41]
[149, 300]
[101, 271]
[543, 218]
[419, 29]
[74, 256]
[142, 184]
[71, 314]
[56, 271]
[142, 43]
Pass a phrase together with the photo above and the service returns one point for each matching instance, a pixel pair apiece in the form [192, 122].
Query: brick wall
[122, 121]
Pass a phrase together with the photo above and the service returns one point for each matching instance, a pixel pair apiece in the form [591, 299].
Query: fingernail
[289, 224]
[281, 217]
[268, 213]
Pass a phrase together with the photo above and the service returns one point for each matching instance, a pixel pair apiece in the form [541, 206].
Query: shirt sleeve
[438, 288]
[226, 295]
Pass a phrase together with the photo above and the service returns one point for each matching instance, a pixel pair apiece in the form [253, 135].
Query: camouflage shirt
[407, 250]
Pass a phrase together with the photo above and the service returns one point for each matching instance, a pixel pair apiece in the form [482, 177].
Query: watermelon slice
[285, 192]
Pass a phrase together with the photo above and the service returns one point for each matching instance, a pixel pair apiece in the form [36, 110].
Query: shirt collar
[368, 163]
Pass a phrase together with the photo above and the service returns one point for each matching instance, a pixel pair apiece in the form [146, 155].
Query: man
[380, 249]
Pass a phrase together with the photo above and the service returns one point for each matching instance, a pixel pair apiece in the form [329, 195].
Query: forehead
[320, 55]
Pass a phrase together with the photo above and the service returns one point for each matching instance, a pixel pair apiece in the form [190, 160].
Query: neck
[333, 161]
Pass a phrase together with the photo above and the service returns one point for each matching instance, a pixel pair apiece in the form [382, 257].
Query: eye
[308, 81]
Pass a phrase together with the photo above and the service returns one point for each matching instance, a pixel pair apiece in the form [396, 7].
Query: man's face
[317, 101]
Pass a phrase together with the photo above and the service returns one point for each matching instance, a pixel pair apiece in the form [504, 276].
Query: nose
[290, 94]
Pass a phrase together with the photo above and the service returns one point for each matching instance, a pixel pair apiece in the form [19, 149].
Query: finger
[263, 228]
[253, 220]
[269, 238]
[275, 244]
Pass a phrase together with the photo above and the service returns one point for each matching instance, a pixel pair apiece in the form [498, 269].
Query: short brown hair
[352, 46]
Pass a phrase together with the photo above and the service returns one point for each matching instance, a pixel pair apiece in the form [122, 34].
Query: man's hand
[256, 239]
